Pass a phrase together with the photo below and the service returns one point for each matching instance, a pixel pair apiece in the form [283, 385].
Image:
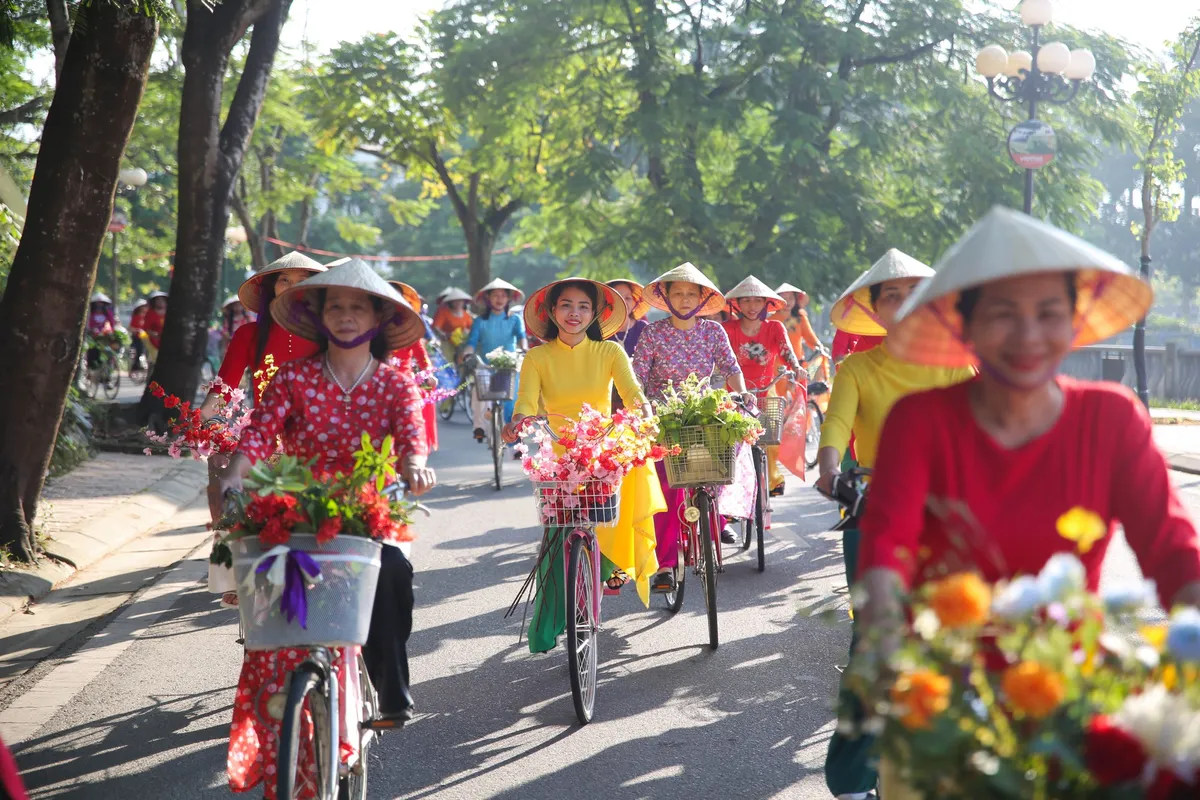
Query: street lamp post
[1051, 73]
[131, 178]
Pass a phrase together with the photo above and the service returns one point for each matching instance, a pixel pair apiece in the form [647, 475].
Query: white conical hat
[499, 283]
[451, 295]
[1006, 244]
[753, 287]
[100, 297]
[250, 292]
[784, 288]
[687, 272]
[296, 309]
[852, 312]
[641, 306]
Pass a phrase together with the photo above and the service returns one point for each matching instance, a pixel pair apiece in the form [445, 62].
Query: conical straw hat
[156, 295]
[296, 309]
[656, 293]
[641, 306]
[784, 288]
[100, 297]
[410, 295]
[513, 292]
[611, 312]
[1006, 244]
[753, 287]
[451, 295]
[852, 312]
[250, 292]
[231, 301]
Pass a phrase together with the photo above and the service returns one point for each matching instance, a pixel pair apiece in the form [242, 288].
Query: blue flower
[1183, 635]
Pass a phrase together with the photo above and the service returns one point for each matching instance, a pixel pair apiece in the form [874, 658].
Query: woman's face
[349, 313]
[1023, 327]
[626, 292]
[457, 307]
[159, 304]
[498, 299]
[573, 311]
[289, 278]
[685, 297]
[751, 307]
[892, 295]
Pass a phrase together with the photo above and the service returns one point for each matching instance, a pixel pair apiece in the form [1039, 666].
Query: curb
[129, 517]
[1184, 462]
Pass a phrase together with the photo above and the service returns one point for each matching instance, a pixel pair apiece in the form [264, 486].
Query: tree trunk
[60, 33]
[306, 210]
[479, 255]
[210, 157]
[1139, 330]
[70, 204]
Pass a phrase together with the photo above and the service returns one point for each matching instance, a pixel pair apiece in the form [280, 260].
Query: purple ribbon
[306, 312]
[671, 307]
[298, 571]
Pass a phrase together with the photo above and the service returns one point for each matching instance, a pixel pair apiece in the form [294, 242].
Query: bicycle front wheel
[761, 498]
[708, 563]
[497, 443]
[446, 409]
[812, 437]
[112, 383]
[306, 685]
[581, 627]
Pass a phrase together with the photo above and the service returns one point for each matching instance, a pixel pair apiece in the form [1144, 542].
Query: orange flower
[961, 600]
[920, 696]
[1033, 689]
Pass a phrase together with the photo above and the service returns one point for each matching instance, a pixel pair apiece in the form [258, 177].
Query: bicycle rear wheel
[307, 683]
[812, 438]
[112, 382]
[581, 627]
[354, 785]
[761, 498]
[708, 564]
[674, 600]
[446, 408]
[497, 443]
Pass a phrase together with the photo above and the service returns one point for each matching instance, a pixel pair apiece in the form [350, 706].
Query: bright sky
[326, 22]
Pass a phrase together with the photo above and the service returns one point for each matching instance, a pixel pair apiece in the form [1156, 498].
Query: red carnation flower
[328, 530]
[170, 402]
[1113, 754]
[274, 533]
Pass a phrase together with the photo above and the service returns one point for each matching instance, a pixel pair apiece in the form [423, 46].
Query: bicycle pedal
[383, 725]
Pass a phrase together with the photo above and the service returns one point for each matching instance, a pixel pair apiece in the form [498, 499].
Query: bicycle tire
[306, 683]
[761, 498]
[813, 411]
[708, 567]
[497, 445]
[674, 600]
[581, 628]
[353, 786]
[446, 409]
[136, 373]
[112, 387]
[464, 397]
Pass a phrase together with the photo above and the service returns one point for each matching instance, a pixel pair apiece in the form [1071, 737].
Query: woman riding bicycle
[574, 367]
[762, 349]
[867, 386]
[1019, 446]
[261, 347]
[496, 328]
[137, 326]
[800, 330]
[320, 407]
[101, 324]
[670, 350]
[155, 318]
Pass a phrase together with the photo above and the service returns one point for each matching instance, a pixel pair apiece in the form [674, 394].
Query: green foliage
[694, 404]
[73, 445]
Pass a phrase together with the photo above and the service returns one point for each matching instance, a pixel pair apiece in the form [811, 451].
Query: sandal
[613, 585]
[229, 600]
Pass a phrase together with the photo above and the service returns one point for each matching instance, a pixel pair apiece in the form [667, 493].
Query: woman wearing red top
[153, 322]
[137, 324]
[762, 349]
[975, 476]
[414, 359]
[320, 407]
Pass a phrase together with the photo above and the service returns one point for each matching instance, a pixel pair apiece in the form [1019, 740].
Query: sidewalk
[93, 520]
[1177, 433]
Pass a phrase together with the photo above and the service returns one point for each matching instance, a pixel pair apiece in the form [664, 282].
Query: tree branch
[496, 218]
[60, 32]
[896, 58]
[439, 166]
[26, 112]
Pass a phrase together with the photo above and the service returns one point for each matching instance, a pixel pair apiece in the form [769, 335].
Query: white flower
[1130, 597]
[1167, 727]
[1019, 598]
[926, 624]
[985, 762]
[1062, 575]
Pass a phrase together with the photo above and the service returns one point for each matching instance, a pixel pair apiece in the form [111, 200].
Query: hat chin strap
[675, 312]
[343, 344]
[870, 312]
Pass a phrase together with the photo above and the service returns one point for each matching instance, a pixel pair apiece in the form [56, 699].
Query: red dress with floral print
[414, 359]
[315, 420]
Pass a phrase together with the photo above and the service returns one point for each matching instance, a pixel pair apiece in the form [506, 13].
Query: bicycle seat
[818, 387]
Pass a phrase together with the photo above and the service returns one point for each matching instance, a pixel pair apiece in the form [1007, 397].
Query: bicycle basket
[772, 409]
[575, 504]
[706, 459]
[495, 384]
[339, 606]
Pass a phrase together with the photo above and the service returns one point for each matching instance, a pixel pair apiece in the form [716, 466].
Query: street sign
[1032, 144]
[118, 222]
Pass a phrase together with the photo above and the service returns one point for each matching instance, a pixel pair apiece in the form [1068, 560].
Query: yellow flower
[961, 600]
[1155, 636]
[920, 696]
[1083, 527]
[1033, 689]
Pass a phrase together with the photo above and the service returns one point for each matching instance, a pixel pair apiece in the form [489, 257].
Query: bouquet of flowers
[202, 439]
[581, 478]
[429, 381]
[1038, 688]
[694, 403]
[286, 498]
[459, 337]
[500, 359]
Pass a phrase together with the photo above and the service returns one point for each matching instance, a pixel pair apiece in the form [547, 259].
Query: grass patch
[1181, 405]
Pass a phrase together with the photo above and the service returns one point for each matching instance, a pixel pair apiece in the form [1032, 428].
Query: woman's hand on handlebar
[825, 483]
[420, 478]
[512, 431]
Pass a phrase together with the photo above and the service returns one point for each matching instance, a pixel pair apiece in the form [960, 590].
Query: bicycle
[704, 463]
[579, 507]
[772, 410]
[494, 387]
[138, 366]
[106, 371]
[818, 394]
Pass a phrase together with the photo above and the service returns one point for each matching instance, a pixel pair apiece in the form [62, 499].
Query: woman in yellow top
[866, 387]
[574, 367]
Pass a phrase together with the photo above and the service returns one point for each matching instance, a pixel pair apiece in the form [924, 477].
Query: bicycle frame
[690, 541]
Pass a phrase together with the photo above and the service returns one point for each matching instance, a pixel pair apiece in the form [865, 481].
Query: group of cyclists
[947, 392]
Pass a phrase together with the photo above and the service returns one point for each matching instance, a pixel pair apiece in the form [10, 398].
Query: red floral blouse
[304, 407]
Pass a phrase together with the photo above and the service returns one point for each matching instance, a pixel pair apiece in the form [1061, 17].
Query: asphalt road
[673, 719]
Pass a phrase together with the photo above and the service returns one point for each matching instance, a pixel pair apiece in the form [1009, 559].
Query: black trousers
[386, 651]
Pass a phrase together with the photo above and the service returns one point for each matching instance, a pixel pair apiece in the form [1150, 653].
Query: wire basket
[339, 606]
[706, 459]
[575, 504]
[495, 384]
[771, 417]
